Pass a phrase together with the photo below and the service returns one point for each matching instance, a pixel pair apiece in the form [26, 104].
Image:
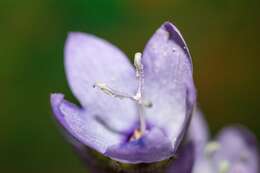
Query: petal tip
[168, 24]
[74, 37]
[176, 36]
[56, 100]
[74, 34]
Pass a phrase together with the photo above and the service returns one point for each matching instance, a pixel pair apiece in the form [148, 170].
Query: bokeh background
[223, 37]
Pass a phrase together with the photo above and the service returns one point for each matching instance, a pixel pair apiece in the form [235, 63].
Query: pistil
[139, 94]
[137, 98]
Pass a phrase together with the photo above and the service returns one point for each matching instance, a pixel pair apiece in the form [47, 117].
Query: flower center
[137, 98]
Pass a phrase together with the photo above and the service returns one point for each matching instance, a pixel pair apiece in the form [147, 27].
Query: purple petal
[152, 147]
[239, 148]
[199, 135]
[184, 161]
[168, 82]
[82, 127]
[88, 60]
[198, 132]
[202, 165]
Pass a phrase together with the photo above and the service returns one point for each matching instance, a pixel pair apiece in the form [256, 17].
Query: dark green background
[223, 37]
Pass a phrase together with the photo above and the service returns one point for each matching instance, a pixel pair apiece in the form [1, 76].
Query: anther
[147, 103]
[138, 64]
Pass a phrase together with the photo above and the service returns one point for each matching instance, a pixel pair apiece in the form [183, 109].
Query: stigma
[141, 103]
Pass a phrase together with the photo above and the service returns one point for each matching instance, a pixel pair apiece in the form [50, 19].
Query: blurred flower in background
[222, 36]
[235, 150]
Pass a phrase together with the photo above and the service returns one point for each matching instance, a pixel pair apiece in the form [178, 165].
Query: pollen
[136, 135]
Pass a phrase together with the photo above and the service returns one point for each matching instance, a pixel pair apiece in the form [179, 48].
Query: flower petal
[152, 147]
[184, 161]
[198, 132]
[239, 148]
[84, 128]
[203, 164]
[88, 60]
[168, 82]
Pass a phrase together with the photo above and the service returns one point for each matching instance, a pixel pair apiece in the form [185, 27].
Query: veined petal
[239, 148]
[82, 127]
[88, 60]
[168, 82]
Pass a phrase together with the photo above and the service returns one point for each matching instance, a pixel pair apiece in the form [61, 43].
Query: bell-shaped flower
[234, 151]
[132, 115]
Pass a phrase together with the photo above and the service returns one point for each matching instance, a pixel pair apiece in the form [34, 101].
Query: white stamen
[139, 73]
[138, 97]
[137, 62]
[111, 92]
[139, 94]
[118, 94]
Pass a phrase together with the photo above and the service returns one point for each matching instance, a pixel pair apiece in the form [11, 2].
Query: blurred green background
[223, 37]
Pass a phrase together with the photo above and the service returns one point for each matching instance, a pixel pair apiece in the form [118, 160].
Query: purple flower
[234, 151]
[130, 115]
[238, 150]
